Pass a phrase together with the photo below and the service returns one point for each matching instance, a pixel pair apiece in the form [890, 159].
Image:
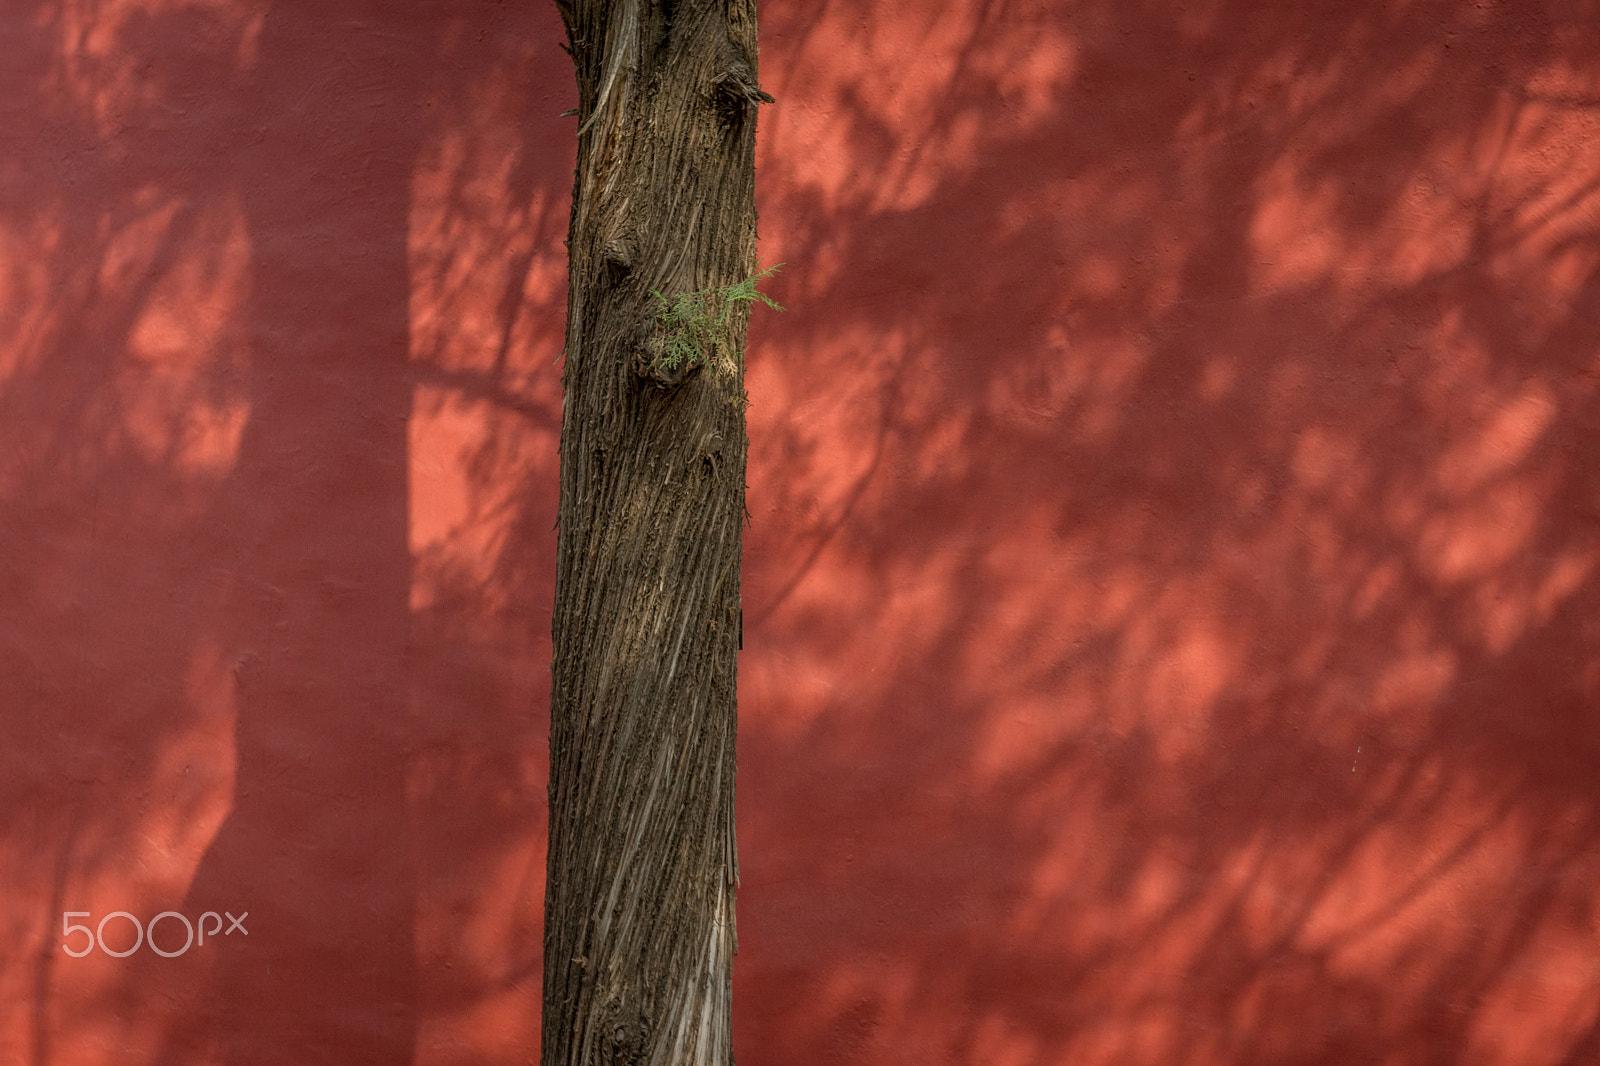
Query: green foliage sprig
[693, 327]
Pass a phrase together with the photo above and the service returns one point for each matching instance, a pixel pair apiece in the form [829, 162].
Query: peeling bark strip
[639, 929]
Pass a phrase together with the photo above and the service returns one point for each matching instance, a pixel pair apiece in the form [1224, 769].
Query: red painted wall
[1173, 582]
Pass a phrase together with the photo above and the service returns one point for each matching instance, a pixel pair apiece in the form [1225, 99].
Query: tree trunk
[639, 924]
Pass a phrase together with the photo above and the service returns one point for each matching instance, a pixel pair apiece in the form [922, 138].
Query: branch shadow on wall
[210, 652]
[1175, 539]
[1172, 571]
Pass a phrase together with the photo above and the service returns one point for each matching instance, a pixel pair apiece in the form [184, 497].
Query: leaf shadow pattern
[1171, 581]
[1205, 667]
[235, 683]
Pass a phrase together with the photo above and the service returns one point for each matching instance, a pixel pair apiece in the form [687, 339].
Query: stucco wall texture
[1172, 583]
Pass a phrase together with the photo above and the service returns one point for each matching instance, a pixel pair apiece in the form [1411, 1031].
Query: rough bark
[639, 926]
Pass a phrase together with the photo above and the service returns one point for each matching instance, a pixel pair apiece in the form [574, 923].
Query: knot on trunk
[618, 254]
[655, 360]
[736, 93]
[625, 1037]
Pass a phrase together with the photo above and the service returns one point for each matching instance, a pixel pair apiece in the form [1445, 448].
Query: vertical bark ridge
[642, 868]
